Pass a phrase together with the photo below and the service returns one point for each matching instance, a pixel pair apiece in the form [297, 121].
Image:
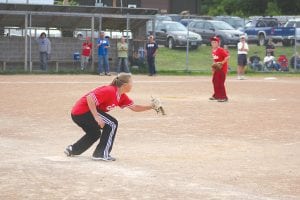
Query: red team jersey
[106, 98]
[219, 55]
[86, 49]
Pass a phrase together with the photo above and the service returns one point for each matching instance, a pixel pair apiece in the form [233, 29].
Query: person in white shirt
[270, 63]
[242, 57]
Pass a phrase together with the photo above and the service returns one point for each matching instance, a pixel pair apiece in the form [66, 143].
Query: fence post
[92, 40]
[26, 42]
[187, 47]
[295, 51]
[30, 45]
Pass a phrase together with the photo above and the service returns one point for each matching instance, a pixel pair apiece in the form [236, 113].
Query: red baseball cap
[215, 38]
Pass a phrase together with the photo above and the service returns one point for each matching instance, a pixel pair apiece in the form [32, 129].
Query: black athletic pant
[151, 65]
[93, 133]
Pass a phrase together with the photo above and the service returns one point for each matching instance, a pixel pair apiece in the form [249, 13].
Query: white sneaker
[68, 151]
[239, 78]
[108, 159]
[243, 78]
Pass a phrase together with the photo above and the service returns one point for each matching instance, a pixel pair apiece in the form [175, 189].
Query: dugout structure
[67, 19]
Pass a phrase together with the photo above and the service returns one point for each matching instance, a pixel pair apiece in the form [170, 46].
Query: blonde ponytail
[121, 79]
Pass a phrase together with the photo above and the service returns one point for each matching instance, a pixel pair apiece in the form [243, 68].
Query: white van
[35, 32]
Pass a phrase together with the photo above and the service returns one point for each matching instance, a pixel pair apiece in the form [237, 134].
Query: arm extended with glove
[155, 105]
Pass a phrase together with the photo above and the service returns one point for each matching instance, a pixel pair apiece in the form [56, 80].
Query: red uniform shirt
[86, 49]
[106, 98]
[219, 55]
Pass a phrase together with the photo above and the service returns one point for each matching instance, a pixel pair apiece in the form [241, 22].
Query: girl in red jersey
[90, 113]
[219, 55]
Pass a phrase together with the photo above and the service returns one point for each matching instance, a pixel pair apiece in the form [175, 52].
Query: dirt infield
[247, 148]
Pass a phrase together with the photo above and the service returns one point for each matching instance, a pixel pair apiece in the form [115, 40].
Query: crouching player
[90, 113]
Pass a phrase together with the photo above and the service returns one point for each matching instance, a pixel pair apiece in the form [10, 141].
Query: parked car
[236, 22]
[186, 21]
[174, 34]
[261, 29]
[33, 32]
[290, 40]
[157, 19]
[175, 17]
[163, 18]
[209, 28]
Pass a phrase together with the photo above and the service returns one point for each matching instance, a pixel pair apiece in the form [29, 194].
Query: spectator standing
[151, 51]
[122, 47]
[86, 52]
[103, 64]
[45, 51]
[242, 57]
[219, 76]
[270, 47]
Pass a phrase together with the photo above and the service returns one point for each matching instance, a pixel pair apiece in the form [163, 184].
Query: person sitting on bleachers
[270, 63]
[283, 62]
[255, 62]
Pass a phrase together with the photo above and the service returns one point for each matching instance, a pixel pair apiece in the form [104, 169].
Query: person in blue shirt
[103, 64]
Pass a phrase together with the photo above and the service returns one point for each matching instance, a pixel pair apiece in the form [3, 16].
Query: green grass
[199, 61]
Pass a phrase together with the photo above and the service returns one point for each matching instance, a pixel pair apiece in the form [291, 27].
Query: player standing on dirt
[219, 75]
[90, 113]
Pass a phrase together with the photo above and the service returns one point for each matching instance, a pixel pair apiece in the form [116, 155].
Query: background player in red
[86, 52]
[90, 113]
[219, 76]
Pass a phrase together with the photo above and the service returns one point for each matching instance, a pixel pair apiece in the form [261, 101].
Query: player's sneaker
[101, 74]
[212, 98]
[68, 151]
[222, 100]
[108, 159]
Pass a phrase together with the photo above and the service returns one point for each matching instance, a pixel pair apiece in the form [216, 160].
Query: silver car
[209, 28]
[174, 34]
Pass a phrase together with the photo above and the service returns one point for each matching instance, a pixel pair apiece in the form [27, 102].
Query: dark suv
[174, 34]
[209, 28]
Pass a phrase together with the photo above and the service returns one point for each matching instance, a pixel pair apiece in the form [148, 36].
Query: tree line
[246, 8]
[242, 8]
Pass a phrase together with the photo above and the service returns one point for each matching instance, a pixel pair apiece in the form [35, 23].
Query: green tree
[273, 9]
[289, 7]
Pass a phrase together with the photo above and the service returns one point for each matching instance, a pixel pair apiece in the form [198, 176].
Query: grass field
[201, 59]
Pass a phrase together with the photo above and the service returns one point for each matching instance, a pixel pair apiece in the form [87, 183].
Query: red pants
[219, 84]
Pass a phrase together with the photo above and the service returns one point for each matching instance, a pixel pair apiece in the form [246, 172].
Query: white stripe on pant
[111, 135]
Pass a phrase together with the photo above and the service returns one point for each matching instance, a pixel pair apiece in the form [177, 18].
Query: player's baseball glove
[216, 66]
[157, 105]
